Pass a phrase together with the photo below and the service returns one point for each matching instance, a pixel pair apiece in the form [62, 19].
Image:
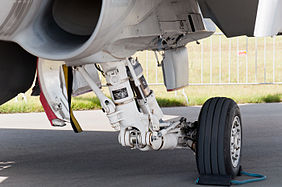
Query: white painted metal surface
[122, 28]
[269, 16]
[176, 68]
[52, 84]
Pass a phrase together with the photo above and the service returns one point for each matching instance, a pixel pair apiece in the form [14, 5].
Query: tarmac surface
[34, 154]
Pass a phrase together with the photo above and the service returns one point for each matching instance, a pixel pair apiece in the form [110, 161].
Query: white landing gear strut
[135, 112]
[216, 138]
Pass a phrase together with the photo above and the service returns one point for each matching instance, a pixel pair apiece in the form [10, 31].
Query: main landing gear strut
[216, 137]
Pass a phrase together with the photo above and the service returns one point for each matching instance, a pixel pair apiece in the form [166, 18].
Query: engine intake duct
[77, 17]
[61, 27]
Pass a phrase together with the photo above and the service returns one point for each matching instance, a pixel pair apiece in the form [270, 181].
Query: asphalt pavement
[33, 154]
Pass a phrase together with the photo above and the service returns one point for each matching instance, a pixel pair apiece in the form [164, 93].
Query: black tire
[213, 156]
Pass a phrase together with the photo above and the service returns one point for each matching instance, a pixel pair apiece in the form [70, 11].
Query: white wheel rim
[235, 141]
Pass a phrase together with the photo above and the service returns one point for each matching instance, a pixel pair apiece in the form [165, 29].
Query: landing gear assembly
[135, 112]
[216, 138]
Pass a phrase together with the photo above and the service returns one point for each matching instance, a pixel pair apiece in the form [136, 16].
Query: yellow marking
[72, 117]
[75, 122]
[65, 69]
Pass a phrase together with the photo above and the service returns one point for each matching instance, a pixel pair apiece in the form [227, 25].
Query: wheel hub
[235, 141]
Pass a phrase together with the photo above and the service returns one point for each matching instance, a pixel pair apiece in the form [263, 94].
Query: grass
[272, 98]
[197, 95]
[212, 70]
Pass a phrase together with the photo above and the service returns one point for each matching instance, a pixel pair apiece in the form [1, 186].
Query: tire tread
[214, 122]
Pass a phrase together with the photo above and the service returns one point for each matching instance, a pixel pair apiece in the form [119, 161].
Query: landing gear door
[53, 92]
[175, 68]
[80, 86]
[54, 96]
